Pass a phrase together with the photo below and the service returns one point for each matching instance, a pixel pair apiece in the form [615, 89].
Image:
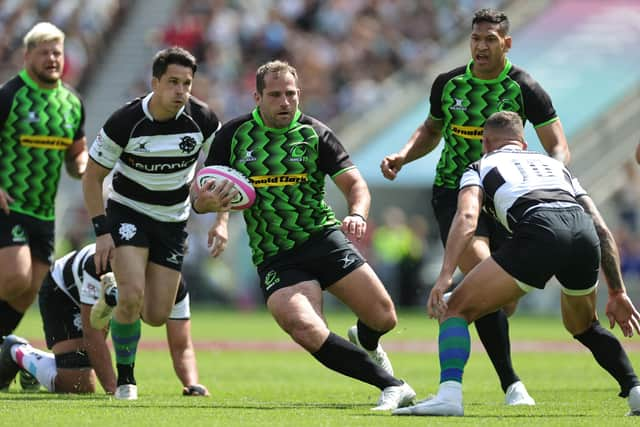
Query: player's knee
[154, 319]
[307, 334]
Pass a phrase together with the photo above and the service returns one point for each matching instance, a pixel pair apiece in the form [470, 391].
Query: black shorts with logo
[166, 241]
[61, 318]
[548, 242]
[326, 257]
[445, 203]
[17, 229]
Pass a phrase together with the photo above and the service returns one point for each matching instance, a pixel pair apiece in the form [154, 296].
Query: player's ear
[507, 43]
[155, 82]
[256, 97]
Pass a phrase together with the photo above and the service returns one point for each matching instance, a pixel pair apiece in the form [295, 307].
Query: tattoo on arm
[610, 261]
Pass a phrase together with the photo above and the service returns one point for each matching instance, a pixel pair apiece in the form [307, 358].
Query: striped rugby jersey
[75, 275]
[154, 162]
[515, 181]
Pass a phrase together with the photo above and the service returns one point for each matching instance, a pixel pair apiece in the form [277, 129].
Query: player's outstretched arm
[76, 158]
[184, 357]
[95, 344]
[554, 141]
[619, 308]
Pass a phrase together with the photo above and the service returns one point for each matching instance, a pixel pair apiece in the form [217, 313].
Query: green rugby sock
[125, 337]
[454, 346]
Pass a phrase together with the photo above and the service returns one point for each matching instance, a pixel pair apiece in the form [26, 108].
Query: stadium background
[366, 67]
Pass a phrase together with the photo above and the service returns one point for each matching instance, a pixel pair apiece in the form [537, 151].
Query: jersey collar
[32, 84]
[501, 76]
[256, 116]
[147, 112]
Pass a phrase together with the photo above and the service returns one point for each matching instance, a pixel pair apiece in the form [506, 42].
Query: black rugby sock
[493, 330]
[9, 319]
[342, 356]
[368, 337]
[610, 354]
[125, 374]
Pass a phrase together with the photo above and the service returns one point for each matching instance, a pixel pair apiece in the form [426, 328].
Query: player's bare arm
[620, 308]
[5, 199]
[218, 234]
[554, 141]
[184, 357]
[460, 234]
[94, 342]
[76, 158]
[92, 189]
[423, 141]
[356, 193]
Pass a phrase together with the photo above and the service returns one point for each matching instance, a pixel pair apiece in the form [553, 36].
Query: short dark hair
[172, 55]
[492, 16]
[506, 121]
[273, 67]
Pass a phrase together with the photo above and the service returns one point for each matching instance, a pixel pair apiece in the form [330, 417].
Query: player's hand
[621, 310]
[218, 236]
[437, 304]
[195, 390]
[391, 165]
[5, 199]
[215, 196]
[104, 252]
[354, 225]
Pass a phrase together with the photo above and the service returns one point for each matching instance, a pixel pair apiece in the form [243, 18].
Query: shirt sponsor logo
[468, 132]
[278, 180]
[49, 142]
[161, 167]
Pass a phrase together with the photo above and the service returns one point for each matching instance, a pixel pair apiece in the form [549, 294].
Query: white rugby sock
[38, 363]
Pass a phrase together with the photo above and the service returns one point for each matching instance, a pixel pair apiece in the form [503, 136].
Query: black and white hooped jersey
[154, 162]
[516, 181]
[75, 274]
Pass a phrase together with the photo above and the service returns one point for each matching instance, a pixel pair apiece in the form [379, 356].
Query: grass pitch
[254, 383]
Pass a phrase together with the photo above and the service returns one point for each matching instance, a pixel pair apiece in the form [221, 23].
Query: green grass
[291, 389]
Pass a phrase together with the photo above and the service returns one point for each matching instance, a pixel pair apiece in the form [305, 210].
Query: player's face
[171, 91]
[44, 63]
[279, 100]
[488, 50]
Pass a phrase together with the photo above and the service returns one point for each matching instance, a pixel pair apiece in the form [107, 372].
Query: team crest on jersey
[459, 105]
[248, 157]
[18, 234]
[127, 231]
[187, 144]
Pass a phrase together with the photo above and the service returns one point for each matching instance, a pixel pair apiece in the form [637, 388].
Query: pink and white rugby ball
[246, 193]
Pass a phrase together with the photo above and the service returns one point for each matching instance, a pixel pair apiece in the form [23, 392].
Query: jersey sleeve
[435, 97]
[471, 176]
[90, 287]
[105, 151]
[220, 151]
[333, 159]
[181, 310]
[538, 107]
[6, 98]
[80, 129]
[578, 189]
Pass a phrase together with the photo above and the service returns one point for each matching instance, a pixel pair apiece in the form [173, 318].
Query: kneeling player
[80, 351]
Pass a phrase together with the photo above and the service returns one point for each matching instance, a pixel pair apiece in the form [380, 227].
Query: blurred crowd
[86, 24]
[627, 203]
[343, 49]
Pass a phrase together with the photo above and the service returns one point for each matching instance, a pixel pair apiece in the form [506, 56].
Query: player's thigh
[129, 266]
[484, 289]
[298, 311]
[159, 293]
[81, 380]
[476, 252]
[16, 269]
[363, 292]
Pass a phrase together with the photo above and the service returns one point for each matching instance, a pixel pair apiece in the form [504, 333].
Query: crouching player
[80, 351]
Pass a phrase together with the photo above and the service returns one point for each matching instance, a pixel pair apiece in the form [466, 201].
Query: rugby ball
[246, 193]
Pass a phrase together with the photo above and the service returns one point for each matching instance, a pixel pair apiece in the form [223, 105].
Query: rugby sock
[38, 363]
[9, 319]
[340, 355]
[610, 354]
[125, 337]
[454, 346]
[368, 338]
[493, 330]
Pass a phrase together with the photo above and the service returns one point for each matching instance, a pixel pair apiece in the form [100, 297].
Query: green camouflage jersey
[463, 103]
[287, 167]
[36, 128]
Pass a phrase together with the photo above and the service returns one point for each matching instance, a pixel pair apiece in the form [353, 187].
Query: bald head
[503, 128]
